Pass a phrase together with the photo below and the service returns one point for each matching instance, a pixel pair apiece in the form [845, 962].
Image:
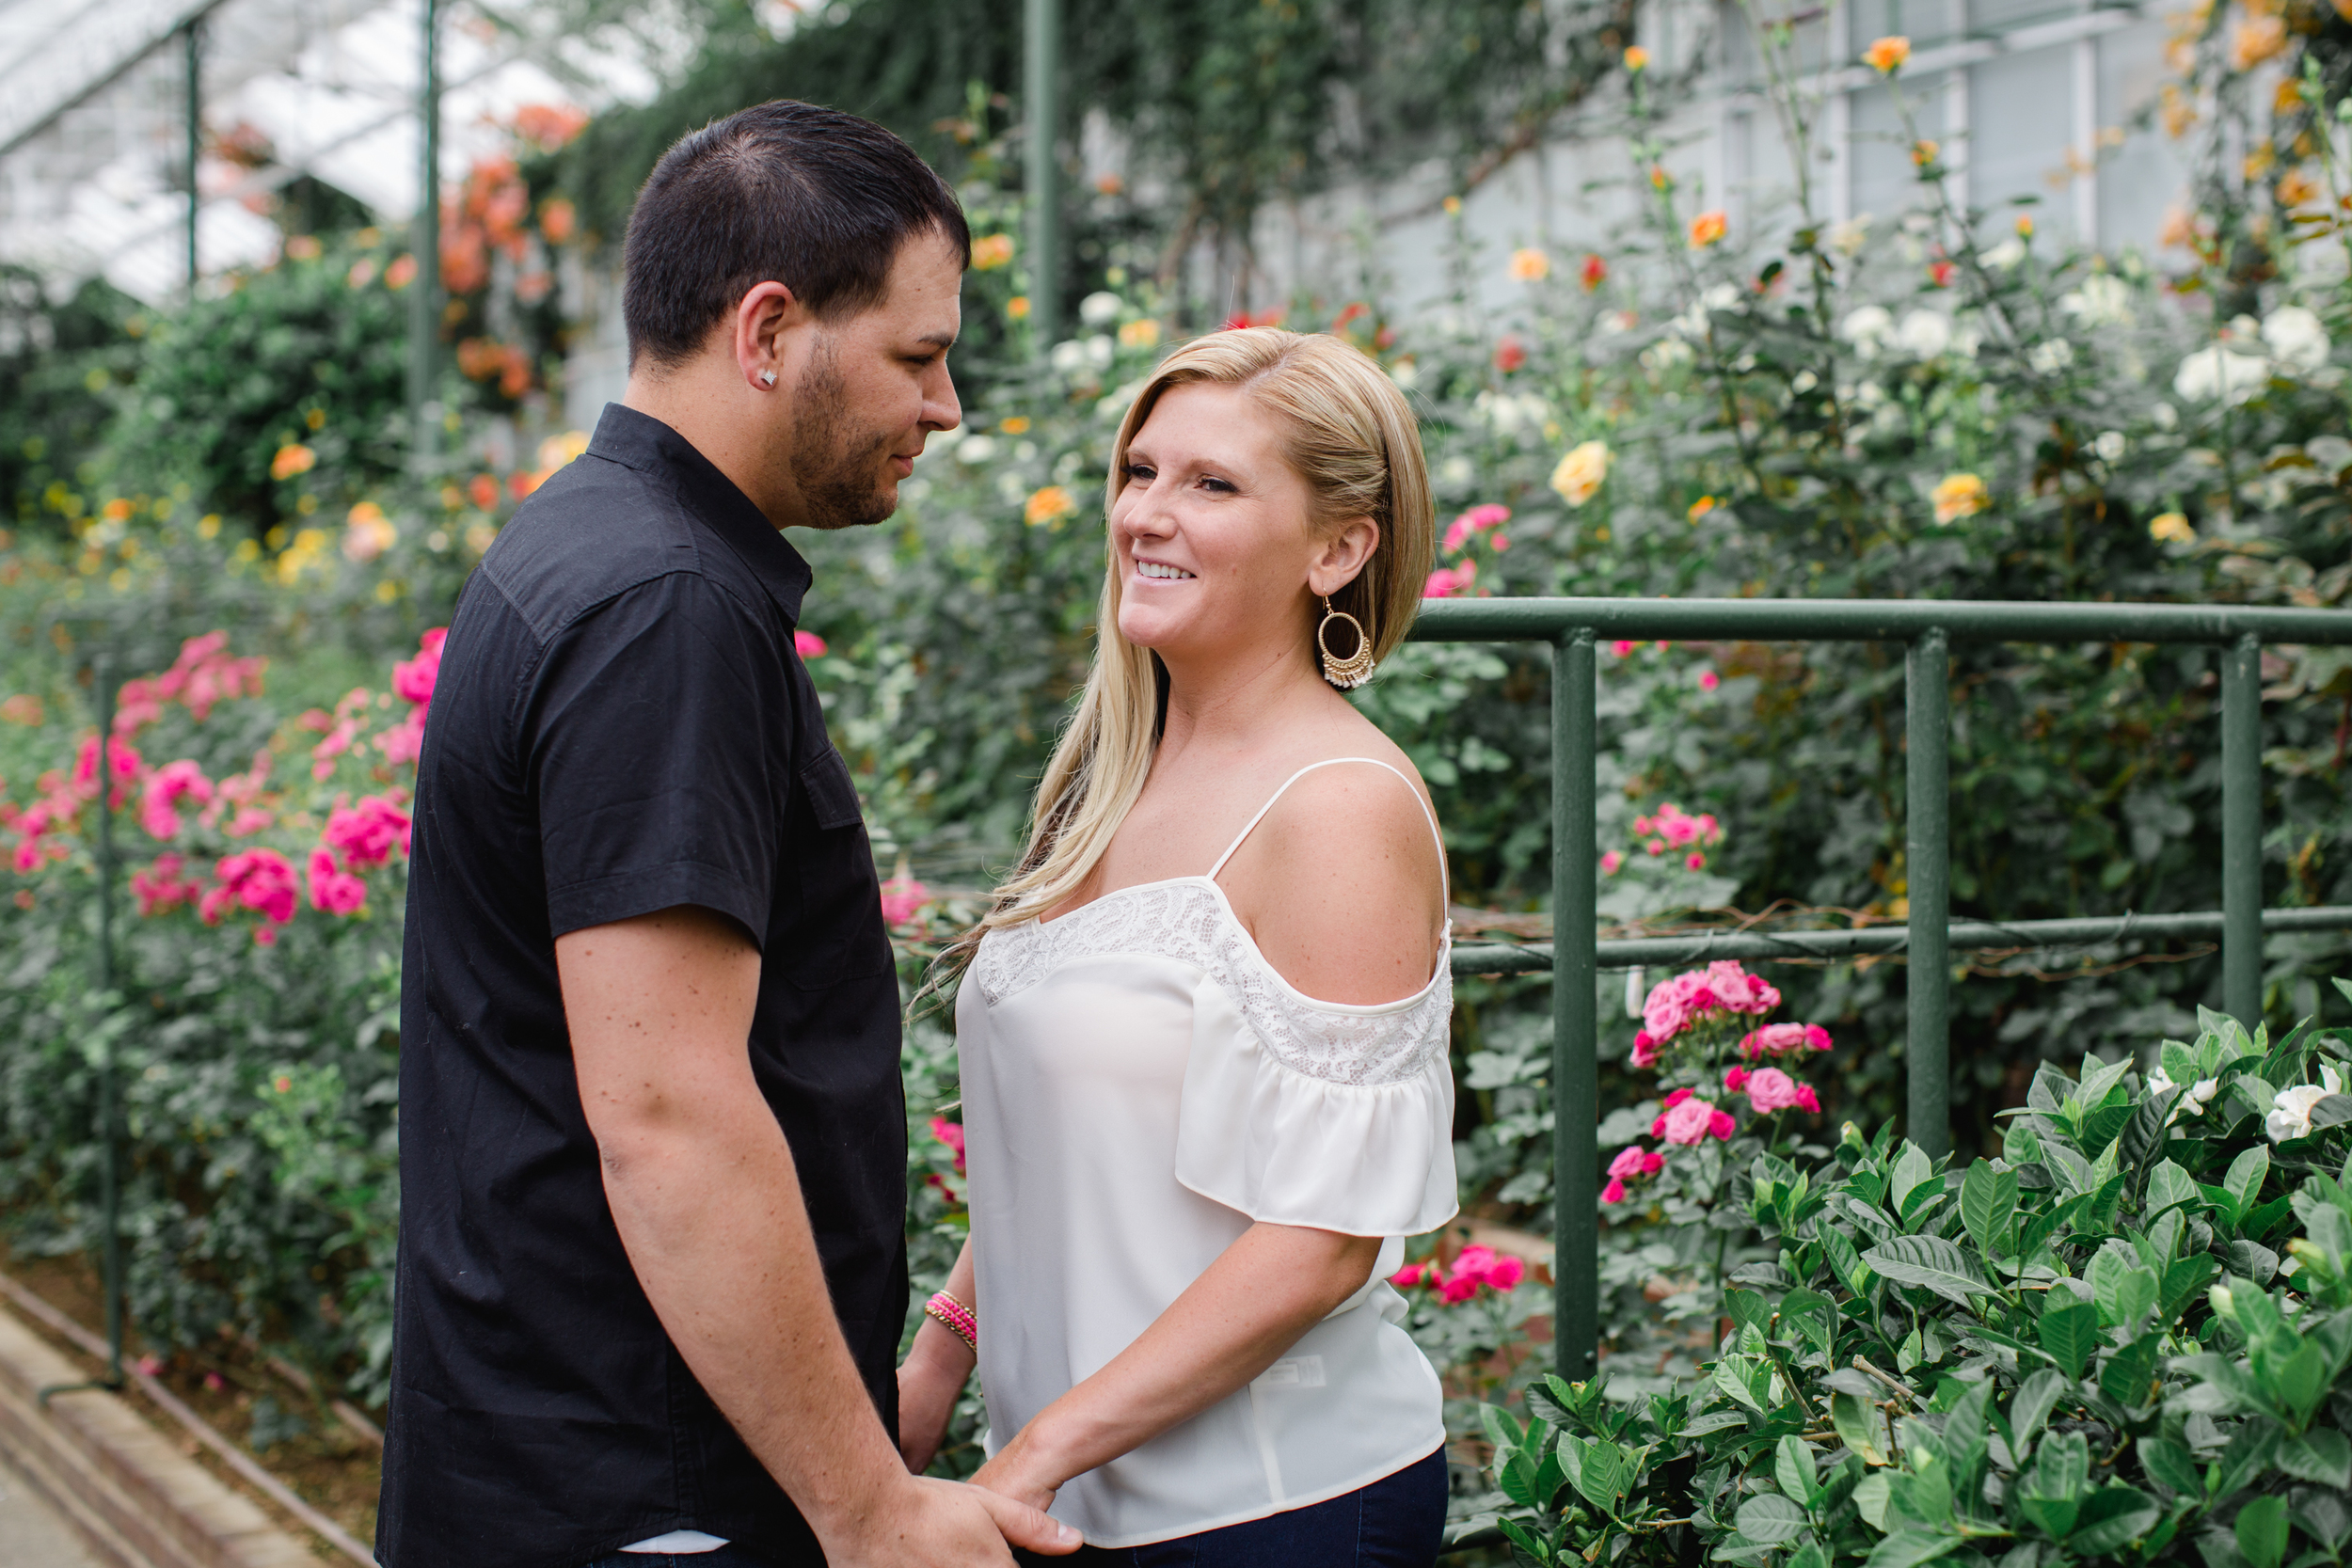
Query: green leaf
[1770, 1518]
[1988, 1200]
[2129, 1376]
[2123, 1289]
[1871, 1498]
[1746, 1306]
[1812, 1316]
[2109, 1519]
[1859, 1426]
[2171, 1466]
[2322, 1457]
[1747, 1379]
[1908, 1549]
[2184, 1280]
[2069, 1332]
[1931, 1261]
[1845, 1261]
[1527, 1541]
[2245, 1181]
[1911, 1167]
[1502, 1429]
[2261, 1531]
[2061, 1468]
[1603, 1474]
[2036, 1397]
[1794, 1469]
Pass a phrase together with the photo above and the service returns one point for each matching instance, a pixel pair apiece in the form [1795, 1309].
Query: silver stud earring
[767, 378]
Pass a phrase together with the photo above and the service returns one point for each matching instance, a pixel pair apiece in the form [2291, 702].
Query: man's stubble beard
[835, 465]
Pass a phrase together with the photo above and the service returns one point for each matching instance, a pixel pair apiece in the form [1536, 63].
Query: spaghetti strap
[1250, 827]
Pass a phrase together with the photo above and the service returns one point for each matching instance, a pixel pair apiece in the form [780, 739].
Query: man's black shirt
[621, 725]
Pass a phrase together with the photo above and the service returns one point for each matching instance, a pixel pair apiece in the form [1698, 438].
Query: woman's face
[1210, 532]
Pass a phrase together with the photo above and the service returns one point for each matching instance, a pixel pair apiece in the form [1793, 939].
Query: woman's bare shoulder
[1343, 884]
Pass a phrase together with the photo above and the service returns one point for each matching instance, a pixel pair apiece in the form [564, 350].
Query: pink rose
[1807, 1100]
[901, 896]
[1816, 1037]
[1627, 1163]
[807, 644]
[1690, 1121]
[1735, 1079]
[1614, 1192]
[1610, 860]
[1771, 1089]
[1460, 1288]
[950, 1134]
[1644, 1049]
[1407, 1276]
[1720, 1126]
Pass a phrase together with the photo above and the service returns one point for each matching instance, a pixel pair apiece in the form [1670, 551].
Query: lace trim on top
[1188, 920]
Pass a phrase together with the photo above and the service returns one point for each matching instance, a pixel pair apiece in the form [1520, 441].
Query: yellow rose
[1142, 333]
[1887, 55]
[1959, 496]
[1048, 505]
[2170, 527]
[991, 251]
[1580, 472]
[1530, 265]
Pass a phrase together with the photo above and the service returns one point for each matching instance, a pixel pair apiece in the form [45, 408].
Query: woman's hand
[931, 1379]
[1017, 1472]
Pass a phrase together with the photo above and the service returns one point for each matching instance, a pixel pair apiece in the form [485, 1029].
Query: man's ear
[762, 317]
[1343, 555]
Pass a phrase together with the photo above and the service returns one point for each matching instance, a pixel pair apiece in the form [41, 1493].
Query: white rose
[1866, 327]
[974, 449]
[2296, 337]
[2005, 255]
[1847, 238]
[1069, 356]
[1100, 307]
[2215, 373]
[2111, 445]
[1405, 372]
[1099, 351]
[2104, 300]
[2051, 355]
[1924, 334]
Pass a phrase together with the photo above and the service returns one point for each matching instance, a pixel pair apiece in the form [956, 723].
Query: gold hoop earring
[1352, 671]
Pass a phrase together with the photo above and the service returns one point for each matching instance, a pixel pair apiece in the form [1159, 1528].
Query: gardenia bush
[2126, 1339]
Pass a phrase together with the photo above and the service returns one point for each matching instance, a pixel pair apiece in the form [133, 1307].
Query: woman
[1203, 1029]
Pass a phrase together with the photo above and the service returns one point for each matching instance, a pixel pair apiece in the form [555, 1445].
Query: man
[652, 1262]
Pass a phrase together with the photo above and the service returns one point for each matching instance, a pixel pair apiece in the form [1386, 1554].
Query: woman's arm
[931, 1379]
[1272, 1285]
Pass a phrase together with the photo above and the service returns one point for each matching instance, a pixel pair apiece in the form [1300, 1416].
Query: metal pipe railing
[1572, 628]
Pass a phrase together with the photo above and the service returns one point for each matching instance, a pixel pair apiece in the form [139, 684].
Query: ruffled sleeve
[1310, 1114]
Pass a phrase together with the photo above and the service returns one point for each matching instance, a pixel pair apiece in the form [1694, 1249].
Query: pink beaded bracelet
[958, 1316]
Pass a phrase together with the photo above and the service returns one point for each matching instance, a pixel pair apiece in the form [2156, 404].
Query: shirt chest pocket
[834, 931]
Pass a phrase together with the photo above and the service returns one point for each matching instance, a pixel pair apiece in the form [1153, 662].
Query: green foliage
[2086, 1349]
[53, 353]
[297, 355]
[1230, 104]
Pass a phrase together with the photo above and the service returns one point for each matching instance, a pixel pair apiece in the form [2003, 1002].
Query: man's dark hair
[813, 198]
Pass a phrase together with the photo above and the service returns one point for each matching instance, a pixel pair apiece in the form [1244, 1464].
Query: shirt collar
[637, 440]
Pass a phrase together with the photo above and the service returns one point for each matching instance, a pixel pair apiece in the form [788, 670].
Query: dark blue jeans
[1396, 1522]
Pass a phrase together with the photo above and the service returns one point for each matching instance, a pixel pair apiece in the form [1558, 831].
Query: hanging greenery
[1223, 105]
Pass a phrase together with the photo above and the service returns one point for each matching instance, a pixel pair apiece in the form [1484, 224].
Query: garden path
[31, 1532]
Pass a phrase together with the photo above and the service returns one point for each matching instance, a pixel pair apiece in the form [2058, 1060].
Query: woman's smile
[1160, 571]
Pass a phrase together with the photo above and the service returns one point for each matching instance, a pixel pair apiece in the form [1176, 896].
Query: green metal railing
[1572, 628]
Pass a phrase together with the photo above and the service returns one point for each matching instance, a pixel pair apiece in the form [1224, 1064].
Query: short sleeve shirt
[621, 725]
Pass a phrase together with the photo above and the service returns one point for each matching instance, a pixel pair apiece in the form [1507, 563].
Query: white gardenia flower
[974, 449]
[2005, 255]
[2104, 300]
[1069, 356]
[2160, 1082]
[2215, 373]
[2111, 445]
[2050, 357]
[2296, 337]
[1100, 352]
[2290, 1109]
[1723, 296]
[1924, 334]
[1099, 307]
[2200, 1094]
[1866, 327]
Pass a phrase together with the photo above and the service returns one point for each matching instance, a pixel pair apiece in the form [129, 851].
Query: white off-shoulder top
[1139, 1085]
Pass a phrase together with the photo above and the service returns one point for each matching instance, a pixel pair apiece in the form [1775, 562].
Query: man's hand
[932, 1522]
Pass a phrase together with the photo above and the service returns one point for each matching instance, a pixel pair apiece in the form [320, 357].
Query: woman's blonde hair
[1350, 435]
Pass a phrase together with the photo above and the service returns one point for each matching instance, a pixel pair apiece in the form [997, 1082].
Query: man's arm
[704, 1191]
